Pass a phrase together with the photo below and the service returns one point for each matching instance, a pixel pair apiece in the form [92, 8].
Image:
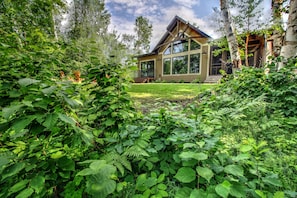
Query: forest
[69, 128]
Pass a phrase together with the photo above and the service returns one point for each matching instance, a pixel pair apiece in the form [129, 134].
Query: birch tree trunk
[289, 48]
[230, 34]
[278, 31]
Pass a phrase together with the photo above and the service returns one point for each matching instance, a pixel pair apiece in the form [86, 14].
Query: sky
[161, 12]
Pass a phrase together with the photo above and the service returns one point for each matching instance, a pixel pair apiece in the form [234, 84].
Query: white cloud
[187, 3]
[158, 13]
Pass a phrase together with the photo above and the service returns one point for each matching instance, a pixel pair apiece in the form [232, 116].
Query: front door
[147, 69]
[215, 63]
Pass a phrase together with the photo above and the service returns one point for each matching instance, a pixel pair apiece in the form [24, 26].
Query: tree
[230, 34]
[87, 30]
[17, 16]
[247, 19]
[88, 18]
[143, 29]
[278, 30]
[289, 47]
[129, 41]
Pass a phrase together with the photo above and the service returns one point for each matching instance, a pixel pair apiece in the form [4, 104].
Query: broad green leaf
[241, 157]
[85, 172]
[25, 193]
[27, 103]
[3, 161]
[66, 119]
[238, 190]
[21, 124]
[235, 170]
[279, 194]
[18, 186]
[49, 90]
[185, 175]
[97, 165]
[193, 155]
[161, 178]
[198, 193]
[109, 122]
[9, 111]
[13, 170]
[140, 182]
[66, 164]
[146, 193]
[37, 183]
[87, 136]
[189, 145]
[273, 180]
[57, 155]
[50, 120]
[150, 182]
[27, 81]
[223, 189]
[162, 186]
[102, 188]
[120, 186]
[260, 193]
[162, 193]
[245, 148]
[72, 102]
[205, 172]
[183, 192]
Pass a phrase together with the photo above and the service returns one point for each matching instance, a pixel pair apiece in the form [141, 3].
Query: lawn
[150, 97]
[167, 91]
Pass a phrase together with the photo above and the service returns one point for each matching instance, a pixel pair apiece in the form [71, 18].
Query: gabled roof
[171, 27]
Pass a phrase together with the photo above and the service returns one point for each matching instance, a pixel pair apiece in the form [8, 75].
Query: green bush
[65, 139]
[278, 86]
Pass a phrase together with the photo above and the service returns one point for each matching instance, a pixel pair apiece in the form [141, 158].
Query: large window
[182, 57]
[180, 65]
[166, 66]
[194, 63]
[147, 69]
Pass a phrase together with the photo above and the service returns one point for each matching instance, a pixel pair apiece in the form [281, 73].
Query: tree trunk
[289, 48]
[231, 37]
[278, 30]
[247, 49]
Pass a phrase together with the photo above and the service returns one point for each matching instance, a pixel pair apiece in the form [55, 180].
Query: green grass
[167, 91]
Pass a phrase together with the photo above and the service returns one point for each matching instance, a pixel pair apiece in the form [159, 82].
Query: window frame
[154, 68]
[188, 53]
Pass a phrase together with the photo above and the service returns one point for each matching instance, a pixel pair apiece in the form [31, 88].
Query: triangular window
[168, 50]
[194, 45]
[180, 46]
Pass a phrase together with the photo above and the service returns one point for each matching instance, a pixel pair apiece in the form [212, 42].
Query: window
[194, 63]
[166, 66]
[182, 57]
[168, 50]
[180, 46]
[180, 65]
[147, 69]
[194, 45]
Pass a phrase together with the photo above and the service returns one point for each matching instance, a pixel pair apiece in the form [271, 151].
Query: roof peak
[171, 27]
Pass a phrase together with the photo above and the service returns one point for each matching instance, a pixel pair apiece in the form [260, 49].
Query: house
[184, 54]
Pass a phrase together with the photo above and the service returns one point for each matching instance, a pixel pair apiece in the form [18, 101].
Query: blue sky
[161, 12]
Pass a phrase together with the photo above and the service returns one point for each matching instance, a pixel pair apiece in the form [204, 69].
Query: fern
[120, 161]
[136, 151]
